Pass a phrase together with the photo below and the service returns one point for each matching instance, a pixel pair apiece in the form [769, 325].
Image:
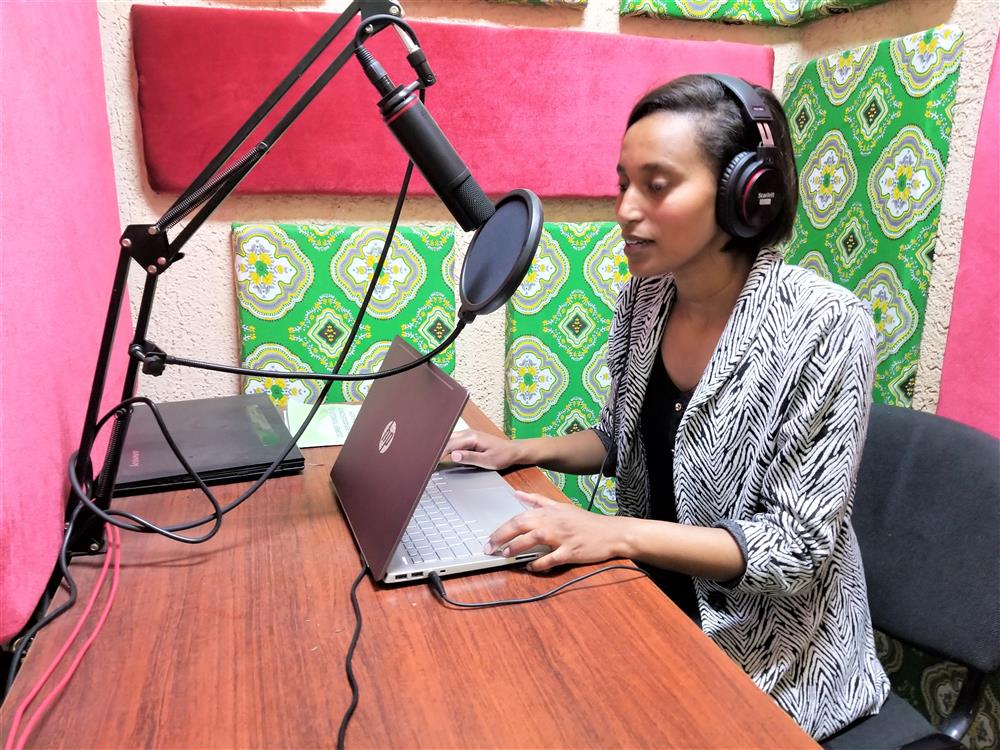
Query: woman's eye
[622, 188]
[657, 187]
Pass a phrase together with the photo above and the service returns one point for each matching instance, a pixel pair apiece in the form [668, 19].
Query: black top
[662, 409]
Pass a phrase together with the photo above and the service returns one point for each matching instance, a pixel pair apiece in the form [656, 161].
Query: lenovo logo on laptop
[387, 435]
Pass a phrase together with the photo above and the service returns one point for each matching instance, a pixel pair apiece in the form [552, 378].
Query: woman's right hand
[483, 450]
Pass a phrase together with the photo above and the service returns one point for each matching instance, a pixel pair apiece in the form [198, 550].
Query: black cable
[597, 479]
[309, 375]
[147, 527]
[621, 373]
[342, 732]
[376, 273]
[437, 586]
[25, 639]
[143, 524]
[335, 376]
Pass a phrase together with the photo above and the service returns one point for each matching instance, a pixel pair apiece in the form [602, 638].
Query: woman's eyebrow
[651, 167]
[658, 166]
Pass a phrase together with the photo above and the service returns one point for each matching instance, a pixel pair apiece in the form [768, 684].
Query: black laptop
[226, 439]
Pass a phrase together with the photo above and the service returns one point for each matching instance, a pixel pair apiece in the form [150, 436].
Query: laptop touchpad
[469, 478]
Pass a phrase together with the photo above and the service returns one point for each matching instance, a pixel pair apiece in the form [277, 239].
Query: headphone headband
[755, 113]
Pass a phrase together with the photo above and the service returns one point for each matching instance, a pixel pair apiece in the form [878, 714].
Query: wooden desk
[240, 642]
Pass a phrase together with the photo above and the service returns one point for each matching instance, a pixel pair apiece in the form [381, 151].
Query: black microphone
[428, 148]
[507, 234]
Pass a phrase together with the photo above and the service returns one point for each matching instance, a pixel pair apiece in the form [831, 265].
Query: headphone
[751, 191]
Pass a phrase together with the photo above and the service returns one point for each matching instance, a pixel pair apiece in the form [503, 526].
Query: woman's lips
[634, 247]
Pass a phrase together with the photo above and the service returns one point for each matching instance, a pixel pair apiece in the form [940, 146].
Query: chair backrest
[927, 516]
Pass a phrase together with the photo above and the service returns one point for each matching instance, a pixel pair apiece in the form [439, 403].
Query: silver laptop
[409, 515]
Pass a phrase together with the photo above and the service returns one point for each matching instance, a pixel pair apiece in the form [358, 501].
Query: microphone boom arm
[147, 245]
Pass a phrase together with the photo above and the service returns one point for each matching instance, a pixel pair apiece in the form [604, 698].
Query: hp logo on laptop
[387, 435]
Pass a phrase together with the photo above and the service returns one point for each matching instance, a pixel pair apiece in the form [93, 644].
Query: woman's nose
[628, 210]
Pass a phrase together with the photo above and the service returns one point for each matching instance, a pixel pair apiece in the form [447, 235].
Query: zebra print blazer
[769, 449]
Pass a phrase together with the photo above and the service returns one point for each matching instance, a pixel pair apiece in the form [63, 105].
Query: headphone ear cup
[729, 196]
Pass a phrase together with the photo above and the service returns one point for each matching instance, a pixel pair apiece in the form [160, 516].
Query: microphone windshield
[500, 254]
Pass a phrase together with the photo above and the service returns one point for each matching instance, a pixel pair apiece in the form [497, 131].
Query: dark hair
[723, 134]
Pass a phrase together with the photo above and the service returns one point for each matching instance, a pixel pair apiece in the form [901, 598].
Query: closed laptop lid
[393, 448]
[228, 438]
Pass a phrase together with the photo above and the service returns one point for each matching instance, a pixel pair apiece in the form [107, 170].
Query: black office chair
[927, 516]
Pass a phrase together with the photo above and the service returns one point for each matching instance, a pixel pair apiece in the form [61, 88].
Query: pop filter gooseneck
[500, 254]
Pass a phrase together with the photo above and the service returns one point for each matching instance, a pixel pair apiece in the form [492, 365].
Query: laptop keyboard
[437, 532]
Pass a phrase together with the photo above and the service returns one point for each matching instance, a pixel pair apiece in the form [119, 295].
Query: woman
[737, 413]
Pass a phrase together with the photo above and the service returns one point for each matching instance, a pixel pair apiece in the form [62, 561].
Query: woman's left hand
[573, 534]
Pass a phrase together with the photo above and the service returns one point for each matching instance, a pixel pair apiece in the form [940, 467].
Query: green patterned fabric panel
[763, 12]
[299, 286]
[556, 379]
[871, 128]
[932, 686]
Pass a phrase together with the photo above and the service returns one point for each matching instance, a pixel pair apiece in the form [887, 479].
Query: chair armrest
[934, 742]
[957, 723]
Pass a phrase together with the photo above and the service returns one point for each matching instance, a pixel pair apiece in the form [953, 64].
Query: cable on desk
[142, 525]
[342, 733]
[115, 551]
[437, 586]
[81, 489]
[113, 555]
[25, 640]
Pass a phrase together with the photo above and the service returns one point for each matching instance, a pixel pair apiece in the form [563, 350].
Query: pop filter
[500, 254]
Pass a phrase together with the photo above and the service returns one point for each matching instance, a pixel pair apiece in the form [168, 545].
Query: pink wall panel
[970, 376]
[59, 231]
[537, 108]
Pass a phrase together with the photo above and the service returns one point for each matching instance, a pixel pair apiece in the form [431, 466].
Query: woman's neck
[708, 292]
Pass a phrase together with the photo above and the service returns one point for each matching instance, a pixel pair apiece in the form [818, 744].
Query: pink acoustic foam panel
[970, 375]
[59, 219]
[537, 108]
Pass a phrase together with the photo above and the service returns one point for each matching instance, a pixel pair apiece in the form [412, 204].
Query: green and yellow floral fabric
[556, 379]
[871, 128]
[763, 12]
[932, 686]
[299, 287]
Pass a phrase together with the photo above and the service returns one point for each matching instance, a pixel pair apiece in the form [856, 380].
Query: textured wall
[196, 309]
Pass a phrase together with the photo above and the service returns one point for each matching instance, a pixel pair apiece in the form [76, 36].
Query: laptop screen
[392, 450]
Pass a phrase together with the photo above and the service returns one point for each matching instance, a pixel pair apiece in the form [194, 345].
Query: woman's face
[666, 197]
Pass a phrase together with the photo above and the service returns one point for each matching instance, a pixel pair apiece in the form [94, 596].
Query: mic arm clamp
[153, 358]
